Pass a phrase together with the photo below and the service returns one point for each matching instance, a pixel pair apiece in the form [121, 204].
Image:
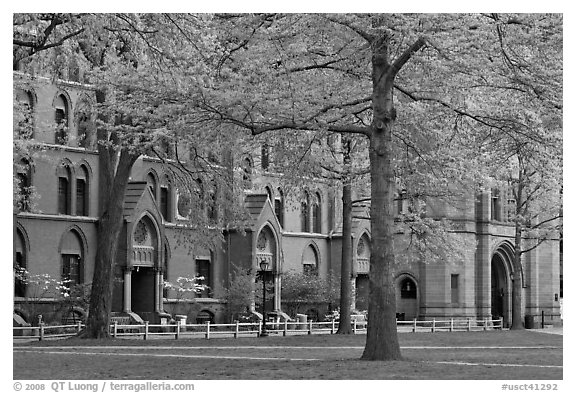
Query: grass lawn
[488, 355]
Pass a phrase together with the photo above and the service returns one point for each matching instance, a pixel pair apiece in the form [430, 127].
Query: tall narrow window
[279, 207]
[304, 213]
[63, 195]
[454, 288]
[401, 202]
[247, 173]
[495, 206]
[82, 192]
[265, 156]
[61, 119]
[164, 203]
[83, 126]
[25, 123]
[203, 271]
[20, 265]
[151, 181]
[71, 259]
[317, 214]
[24, 186]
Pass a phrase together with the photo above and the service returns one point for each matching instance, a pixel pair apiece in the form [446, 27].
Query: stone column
[127, 289]
[158, 286]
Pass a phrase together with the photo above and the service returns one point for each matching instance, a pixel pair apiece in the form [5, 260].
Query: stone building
[58, 236]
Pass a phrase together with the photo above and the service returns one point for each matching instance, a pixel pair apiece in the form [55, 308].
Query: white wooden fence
[238, 329]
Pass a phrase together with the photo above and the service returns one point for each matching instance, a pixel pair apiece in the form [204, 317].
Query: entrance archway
[406, 297]
[501, 292]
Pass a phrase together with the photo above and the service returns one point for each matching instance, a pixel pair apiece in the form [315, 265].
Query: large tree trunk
[382, 336]
[109, 227]
[344, 326]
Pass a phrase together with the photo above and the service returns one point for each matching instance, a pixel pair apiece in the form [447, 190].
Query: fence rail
[238, 329]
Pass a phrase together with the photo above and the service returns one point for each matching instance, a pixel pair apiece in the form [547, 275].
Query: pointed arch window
[20, 265]
[25, 101]
[408, 289]
[61, 119]
[279, 207]
[304, 213]
[72, 260]
[247, 173]
[310, 261]
[317, 213]
[64, 189]
[166, 199]
[152, 184]
[82, 191]
[23, 177]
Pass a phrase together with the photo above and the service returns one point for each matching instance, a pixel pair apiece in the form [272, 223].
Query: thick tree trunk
[382, 336]
[109, 227]
[344, 327]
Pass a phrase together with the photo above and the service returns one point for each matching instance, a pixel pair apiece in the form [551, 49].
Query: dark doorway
[362, 291]
[143, 290]
[499, 290]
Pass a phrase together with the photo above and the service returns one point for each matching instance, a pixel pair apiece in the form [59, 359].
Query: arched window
[61, 119]
[247, 173]
[408, 289]
[310, 261]
[64, 189]
[317, 213]
[152, 183]
[265, 156]
[363, 252]
[304, 213]
[23, 177]
[25, 101]
[20, 265]
[279, 207]
[496, 205]
[166, 199]
[82, 191]
[72, 259]
[84, 124]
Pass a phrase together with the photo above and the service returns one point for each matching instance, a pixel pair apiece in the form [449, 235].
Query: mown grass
[330, 357]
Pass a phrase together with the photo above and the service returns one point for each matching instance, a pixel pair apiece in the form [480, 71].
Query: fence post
[237, 329]
[41, 331]
[115, 329]
[354, 326]
[451, 324]
[485, 323]
[178, 322]
[310, 327]
[208, 330]
[414, 327]
[501, 323]
[79, 326]
[333, 326]
[259, 328]
[285, 327]
[145, 330]
[542, 319]
[469, 325]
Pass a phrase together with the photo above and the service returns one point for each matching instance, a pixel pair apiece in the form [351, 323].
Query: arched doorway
[144, 260]
[362, 281]
[501, 293]
[266, 249]
[406, 297]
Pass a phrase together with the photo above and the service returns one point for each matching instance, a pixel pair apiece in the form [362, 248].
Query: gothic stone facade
[58, 236]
